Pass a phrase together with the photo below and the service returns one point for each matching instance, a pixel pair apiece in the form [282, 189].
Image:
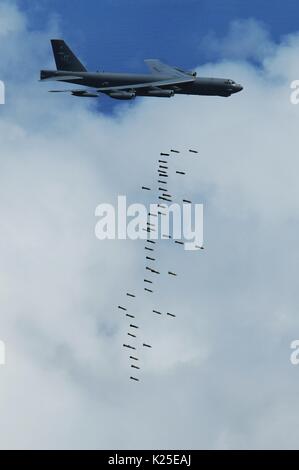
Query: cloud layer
[220, 375]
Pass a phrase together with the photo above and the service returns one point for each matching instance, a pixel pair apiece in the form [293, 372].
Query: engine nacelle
[122, 95]
[160, 93]
[84, 94]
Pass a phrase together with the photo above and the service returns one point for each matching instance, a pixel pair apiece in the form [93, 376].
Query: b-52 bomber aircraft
[163, 81]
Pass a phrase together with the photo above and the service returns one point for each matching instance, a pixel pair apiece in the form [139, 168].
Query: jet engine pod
[122, 95]
[156, 92]
[84, 94]
[160, 93]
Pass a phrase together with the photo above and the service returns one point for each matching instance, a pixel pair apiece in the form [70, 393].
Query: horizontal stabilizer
[60, 78]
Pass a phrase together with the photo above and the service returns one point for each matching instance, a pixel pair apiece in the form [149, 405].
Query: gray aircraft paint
[164, 81]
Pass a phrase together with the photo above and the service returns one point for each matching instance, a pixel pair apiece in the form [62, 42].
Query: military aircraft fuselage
[162, 81]
[200, 85]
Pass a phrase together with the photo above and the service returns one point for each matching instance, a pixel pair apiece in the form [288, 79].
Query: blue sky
[119, 34]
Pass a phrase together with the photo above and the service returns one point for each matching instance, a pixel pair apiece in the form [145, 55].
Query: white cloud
[219, 376]
[11, 19]
[246, 39]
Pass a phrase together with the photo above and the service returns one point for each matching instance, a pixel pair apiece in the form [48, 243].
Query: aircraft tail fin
[65, 59]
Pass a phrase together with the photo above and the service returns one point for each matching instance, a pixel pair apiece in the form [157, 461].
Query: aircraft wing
[157, 83]
[158, 67]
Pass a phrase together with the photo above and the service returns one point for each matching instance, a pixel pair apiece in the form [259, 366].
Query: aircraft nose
[238, 87]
